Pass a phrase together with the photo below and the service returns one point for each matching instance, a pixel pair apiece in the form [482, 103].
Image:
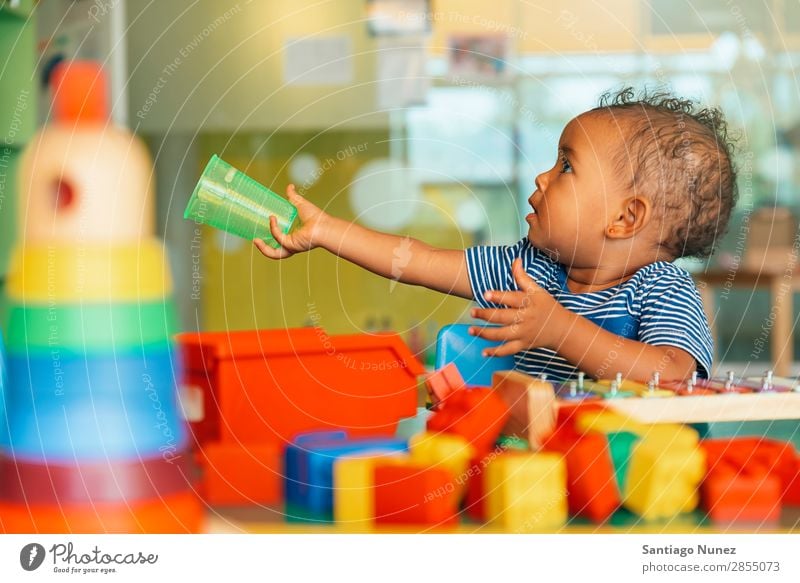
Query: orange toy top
[80, 92]
[82, 177]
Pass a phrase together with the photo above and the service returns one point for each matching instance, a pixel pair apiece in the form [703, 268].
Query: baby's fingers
[270, 252]
[494, 333]
[511, 299]
[506, 349]
[305, 209]
[276, 232]
[495, 316]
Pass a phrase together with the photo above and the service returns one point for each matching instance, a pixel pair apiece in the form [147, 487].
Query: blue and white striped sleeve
[672, 315]
[489, 268]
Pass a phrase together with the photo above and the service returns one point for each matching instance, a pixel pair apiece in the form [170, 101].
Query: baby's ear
[631, 217]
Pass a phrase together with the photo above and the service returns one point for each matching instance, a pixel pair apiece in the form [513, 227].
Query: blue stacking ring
[61, 373]
[94, 430]
[2, 386]
[95, 409]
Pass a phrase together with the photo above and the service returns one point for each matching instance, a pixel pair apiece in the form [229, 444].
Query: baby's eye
[565, 165]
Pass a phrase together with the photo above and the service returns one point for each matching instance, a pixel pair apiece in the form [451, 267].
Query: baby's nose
[541, 181]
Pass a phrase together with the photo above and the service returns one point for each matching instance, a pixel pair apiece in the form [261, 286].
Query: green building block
[620, 444]
[513, 442]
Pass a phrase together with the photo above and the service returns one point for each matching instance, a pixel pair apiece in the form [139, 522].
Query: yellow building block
[608, 422]
[526, 492]
[662, 480]
[451, 452]
[669, 434]
[672, 435]
[353, 501]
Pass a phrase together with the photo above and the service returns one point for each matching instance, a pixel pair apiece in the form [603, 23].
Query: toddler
[638, 182]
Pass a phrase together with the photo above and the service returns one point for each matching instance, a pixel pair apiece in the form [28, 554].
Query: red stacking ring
[129, 482]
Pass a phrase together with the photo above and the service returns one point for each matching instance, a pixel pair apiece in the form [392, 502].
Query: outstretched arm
[402, 259]
[533, 318]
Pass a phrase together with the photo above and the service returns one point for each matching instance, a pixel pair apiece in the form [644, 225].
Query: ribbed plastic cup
[228, 199]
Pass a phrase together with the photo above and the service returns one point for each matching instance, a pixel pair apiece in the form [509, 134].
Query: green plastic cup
[228, 199]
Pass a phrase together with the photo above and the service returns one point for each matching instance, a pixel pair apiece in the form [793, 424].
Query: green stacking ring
[89, 327]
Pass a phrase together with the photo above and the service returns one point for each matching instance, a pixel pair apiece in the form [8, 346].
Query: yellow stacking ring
[56, 273]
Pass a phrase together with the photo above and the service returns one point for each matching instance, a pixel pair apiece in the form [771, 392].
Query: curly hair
[682, 158]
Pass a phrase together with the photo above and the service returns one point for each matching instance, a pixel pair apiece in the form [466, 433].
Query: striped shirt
[659, 305]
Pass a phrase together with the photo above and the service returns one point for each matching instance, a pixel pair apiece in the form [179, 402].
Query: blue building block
[309, 468]
[295, 454]
[454, 344]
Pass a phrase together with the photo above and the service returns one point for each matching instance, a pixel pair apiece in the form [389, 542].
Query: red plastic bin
[271, 385]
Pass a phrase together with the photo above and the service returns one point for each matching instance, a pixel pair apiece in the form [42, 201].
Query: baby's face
[576, 199]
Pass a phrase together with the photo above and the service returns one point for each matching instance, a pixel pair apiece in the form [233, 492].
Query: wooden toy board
[709, 408]
[743, 401]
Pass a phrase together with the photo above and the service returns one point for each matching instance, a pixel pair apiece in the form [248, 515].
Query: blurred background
[424, 118]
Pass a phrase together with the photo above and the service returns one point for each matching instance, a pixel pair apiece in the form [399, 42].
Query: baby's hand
[304, 238]
[532, 318]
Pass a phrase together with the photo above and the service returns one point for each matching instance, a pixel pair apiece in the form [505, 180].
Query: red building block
[791, 495]
[591, 482]
[756, 455]
[414, 494]
[241, 474]
[443, 383]
[475, 496]
[729, 453]
[569, 411]
[728, 495]
[477, 415]
[270, 385]
[778, 458]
